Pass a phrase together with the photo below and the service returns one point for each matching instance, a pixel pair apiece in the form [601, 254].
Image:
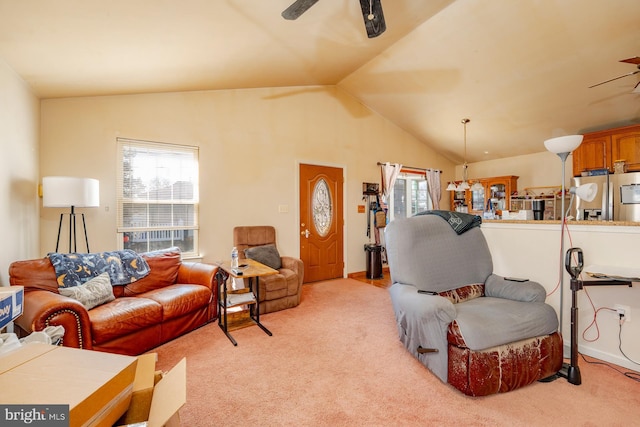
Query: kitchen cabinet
[599, 150]
[626, 146]
[494, 192]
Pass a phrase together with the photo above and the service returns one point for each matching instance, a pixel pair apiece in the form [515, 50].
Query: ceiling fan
[371, 13]
[636, 61]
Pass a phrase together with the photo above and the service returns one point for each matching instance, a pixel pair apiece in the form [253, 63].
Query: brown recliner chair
[279, 291]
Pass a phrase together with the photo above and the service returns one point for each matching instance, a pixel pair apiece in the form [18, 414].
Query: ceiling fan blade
[635, 60]
[616, 78]
[297, 8]
[373, 17]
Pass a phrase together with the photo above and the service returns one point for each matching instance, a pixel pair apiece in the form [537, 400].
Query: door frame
[344, 205]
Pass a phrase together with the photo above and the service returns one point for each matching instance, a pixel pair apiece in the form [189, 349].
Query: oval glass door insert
[322, 207]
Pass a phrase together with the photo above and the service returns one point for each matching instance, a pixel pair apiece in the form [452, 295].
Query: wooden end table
[249, 296]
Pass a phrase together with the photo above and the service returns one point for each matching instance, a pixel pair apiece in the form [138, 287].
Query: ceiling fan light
[563, 144]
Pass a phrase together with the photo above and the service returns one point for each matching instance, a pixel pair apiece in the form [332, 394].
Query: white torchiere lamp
[562, 146]
[70, 192]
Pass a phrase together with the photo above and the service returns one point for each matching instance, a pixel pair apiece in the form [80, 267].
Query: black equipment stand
[571, 371]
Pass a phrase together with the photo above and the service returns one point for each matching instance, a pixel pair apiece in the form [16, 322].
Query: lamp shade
[66, 191]
[586, 192]
[563, 144]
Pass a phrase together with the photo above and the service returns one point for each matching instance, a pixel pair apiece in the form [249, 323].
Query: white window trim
[120, 229]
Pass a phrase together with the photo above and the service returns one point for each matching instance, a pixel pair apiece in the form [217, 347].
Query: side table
[250, 296]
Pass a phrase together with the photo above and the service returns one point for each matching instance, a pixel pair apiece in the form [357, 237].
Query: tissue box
[11, 298]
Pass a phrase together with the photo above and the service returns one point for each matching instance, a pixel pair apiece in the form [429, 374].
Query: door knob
[305, 233]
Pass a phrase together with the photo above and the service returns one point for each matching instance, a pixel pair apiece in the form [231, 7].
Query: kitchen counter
[569, 223]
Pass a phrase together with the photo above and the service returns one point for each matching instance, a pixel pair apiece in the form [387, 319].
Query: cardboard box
[169, 395]
[143, 385]
[97, 386]
[11, 298]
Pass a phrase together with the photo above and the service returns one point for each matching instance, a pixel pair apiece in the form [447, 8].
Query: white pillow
[93, 293]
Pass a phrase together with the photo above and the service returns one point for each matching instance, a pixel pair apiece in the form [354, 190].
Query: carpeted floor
[336, 360]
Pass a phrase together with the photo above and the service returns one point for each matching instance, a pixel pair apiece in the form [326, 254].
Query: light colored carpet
[336, 360]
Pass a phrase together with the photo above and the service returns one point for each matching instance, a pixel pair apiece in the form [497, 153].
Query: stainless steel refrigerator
[618, 198]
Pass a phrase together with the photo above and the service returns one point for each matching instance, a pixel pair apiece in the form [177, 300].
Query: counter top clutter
[570, 223]
[118, 302]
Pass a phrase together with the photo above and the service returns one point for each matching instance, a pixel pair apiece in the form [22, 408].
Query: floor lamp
[70, 192]
[562, 146]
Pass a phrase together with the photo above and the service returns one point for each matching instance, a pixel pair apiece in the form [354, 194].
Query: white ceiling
[520, 70]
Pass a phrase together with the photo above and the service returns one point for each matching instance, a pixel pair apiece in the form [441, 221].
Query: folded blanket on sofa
[74, 269]
[460, 222]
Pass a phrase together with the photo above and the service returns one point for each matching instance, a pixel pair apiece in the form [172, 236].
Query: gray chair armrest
[422, 321]
[529, 291]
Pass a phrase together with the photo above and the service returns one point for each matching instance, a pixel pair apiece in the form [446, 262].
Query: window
[157, 194]
[409, 195]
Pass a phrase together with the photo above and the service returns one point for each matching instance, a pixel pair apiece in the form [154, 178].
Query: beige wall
[251, 143]
[18, 170]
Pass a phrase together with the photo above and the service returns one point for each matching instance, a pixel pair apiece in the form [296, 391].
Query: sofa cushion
[123, 316]
[33, 274]
[487, 322]
[178, 300]
[93, 293]
[266, 254]
[163, 266]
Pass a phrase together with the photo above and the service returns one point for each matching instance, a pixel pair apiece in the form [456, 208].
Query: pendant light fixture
[464, 185]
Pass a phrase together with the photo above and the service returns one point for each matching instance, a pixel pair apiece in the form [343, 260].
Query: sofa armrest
[44, 308]
[197, 273]
[527, 291]
[294, 264]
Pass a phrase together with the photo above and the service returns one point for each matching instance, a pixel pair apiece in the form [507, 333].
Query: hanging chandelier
[464, 185]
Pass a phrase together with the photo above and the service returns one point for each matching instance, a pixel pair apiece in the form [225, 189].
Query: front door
[321, 222]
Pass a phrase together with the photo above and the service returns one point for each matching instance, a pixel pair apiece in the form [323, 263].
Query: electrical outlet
[623, 309]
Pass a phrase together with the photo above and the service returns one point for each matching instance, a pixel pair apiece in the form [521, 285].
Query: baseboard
[363, 274]
[606, 357]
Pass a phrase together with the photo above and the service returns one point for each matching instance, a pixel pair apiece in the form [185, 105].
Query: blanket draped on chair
[460, 222]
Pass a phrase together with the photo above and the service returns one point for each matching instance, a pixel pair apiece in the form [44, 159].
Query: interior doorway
[321, 222]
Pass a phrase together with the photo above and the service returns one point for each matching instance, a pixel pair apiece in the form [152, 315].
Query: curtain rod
[411, 167]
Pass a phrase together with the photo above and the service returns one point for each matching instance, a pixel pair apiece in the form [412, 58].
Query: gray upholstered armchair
[476, 330]
[279, 291]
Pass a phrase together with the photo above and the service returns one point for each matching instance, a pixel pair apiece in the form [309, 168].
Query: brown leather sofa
[174, 298]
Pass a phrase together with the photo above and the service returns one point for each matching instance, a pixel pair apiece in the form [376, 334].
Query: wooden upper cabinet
[626, 146]
[600, 149]
[593, 153]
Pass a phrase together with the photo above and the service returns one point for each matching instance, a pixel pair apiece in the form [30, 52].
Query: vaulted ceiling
[520, 70]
